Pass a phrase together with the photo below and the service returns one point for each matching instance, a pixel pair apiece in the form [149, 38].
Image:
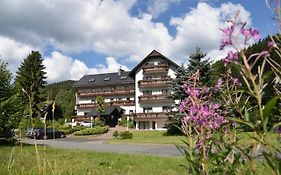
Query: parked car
[39, 133]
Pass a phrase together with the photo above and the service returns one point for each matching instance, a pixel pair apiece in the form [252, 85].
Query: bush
[92, 131]
[123, 122]
[173, 125]
[69, 129]
[126, 135]
[115, 134]
[98, 122]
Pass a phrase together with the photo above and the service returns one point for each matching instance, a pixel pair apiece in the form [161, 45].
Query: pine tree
[177, 89]
[196, 62]
[9, 106]
[31, 79]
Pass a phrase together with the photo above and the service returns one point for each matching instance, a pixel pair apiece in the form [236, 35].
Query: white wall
[138, 92]
[128, 108]
[139, 76]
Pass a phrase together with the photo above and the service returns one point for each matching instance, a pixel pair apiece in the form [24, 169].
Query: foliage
[203, 118]
[64, 95]
[125, 135]
[123, 122]
[8, 106]
[196, 63]
[255, 69]
[115, 134]
[177, 89]
[31, 79]
[100, 104]
[92, 131]
[98, 122]
[69, 129]
[48, 108]
[174, 124]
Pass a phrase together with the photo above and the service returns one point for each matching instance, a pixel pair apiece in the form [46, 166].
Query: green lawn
[158, 137]
[150, 137]
[59, 161]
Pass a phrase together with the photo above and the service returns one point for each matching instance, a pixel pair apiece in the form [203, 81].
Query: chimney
[120, 71]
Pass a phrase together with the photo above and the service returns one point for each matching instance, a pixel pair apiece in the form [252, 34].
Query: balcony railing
[152, 115]
[112, 103]
[160, 68]
[88, 105]
[107, 93]
[159, 98]
[163, 82]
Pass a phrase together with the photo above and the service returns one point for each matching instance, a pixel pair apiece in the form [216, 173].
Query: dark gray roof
[154, 53]
[105, 79]
[108, 111]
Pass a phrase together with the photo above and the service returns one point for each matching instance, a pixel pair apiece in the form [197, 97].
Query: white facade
[147, 101]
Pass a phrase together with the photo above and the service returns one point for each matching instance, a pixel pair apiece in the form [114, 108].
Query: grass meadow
[14, 160]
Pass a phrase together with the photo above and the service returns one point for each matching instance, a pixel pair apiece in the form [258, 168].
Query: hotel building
[143, 93]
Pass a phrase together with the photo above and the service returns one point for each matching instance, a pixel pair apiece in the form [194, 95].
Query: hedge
[69, 130]
[92, 131]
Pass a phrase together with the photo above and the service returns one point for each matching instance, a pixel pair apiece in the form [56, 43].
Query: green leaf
[242, 122]
[267, 110]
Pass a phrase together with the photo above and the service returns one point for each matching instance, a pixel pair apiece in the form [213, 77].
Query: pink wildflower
[219, 84]
[231, 57]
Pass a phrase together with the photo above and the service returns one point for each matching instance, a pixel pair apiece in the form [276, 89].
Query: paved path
[98, 143]
[99, 146]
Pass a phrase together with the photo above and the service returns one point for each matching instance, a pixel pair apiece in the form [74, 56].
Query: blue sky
[91, 36]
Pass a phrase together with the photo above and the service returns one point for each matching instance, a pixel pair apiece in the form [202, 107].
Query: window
[92, 80]
[147, 110]
[164, 91]
[107, 79]
[131, 111]
[148, 78]
[123, 78]
[166, 108]
[147, 92]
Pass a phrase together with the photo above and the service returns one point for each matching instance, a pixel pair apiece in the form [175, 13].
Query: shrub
[92, 131]
[69, 130]
[123, 122]
[126, 135]
[115, 134]
[98, 122]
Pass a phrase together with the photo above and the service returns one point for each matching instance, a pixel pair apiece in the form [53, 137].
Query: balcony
[159, 98]
[107, 104]
[160, 68]
[88, 105]
[121, 103]
[163, 82]
[107, 93]
[152, 115]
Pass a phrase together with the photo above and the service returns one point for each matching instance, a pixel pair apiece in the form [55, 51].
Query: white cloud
[13, 52]
[200, 27]
[106, 27]
[60, 67]
[158, 7]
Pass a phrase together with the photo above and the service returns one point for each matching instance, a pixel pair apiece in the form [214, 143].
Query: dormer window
[123, 78]
[92, 80]
[107, 79]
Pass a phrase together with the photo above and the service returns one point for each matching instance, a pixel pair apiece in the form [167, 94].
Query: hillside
[64, 95]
